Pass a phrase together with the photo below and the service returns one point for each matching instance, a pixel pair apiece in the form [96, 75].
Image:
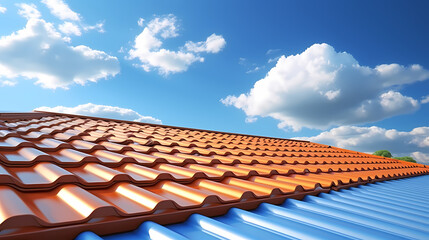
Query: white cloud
[99, 27]
[39, 52]
[414, 143]
[8, 83]
[273, 59]
[255, 69]
[251, 67]
[121, 50]
[61, 10]
[425, 99]
[242, 61]
[2, 9]
[331, 95]
[140, 22]
[213, 44]
[271, 51]
[147, 48]
[28, 10]
[103, 111]
[70, 28]
[251, 119]
[421, 157]
[320, 88]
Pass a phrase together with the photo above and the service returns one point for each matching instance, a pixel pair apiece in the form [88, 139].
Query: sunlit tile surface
[61, 170]
[395, 209]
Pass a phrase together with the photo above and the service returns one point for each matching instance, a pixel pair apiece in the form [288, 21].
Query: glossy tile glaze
[366, 212]
[59, 170]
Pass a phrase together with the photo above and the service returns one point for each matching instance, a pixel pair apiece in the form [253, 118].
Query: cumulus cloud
[73, 24]
[70, 28]
[147, 47]
[2, 9]
[61, 10]
[420, 157]
[414, 143]
[39, 52]
[103, 111]
[213, 44]
[320, 88]
[425, 99]
[28, 10]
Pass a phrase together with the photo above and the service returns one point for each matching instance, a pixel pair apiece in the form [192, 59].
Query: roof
[384, 210]
[62, 174]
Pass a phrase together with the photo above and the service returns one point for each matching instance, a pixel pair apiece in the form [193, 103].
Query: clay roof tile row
[64, 170]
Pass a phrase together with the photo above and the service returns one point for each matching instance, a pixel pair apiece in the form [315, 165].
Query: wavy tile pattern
[365, 212]
[59, 169]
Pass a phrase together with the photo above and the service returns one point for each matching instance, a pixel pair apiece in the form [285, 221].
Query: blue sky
[353, 75]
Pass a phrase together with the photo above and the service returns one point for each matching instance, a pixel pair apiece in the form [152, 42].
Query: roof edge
[143, 123]
[23, 115]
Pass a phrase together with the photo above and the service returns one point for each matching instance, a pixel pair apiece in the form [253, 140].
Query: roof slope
[384, 210]
[64, 172]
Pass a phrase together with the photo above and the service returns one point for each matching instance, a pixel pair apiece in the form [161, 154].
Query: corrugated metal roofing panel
[394, 209]
[101, 171]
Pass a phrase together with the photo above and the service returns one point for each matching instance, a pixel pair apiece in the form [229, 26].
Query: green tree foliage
[408, 159]
[383, 153]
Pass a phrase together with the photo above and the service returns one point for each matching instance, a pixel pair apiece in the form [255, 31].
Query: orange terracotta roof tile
[66, 170]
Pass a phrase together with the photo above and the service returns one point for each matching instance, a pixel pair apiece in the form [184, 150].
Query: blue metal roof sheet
[385, 210]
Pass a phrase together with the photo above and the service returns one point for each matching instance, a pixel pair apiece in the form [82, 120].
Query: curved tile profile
[124, 199]
[358, 213]
[48, 175]
[59, 170]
